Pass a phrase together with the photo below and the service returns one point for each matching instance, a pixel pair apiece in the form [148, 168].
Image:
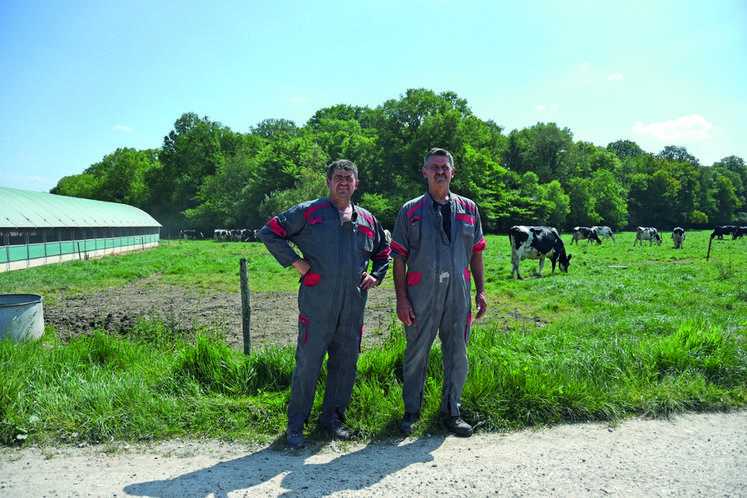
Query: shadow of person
[308, 472]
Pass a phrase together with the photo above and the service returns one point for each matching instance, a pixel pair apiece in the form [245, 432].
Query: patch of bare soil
[274, 315]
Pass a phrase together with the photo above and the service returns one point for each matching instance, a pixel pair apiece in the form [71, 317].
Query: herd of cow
[526, 242]
[223, 235]
[545, 242]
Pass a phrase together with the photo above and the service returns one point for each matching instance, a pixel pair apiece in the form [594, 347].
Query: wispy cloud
[693, 127]
[298, 100]
[27, 158]
[614, 77]
[120, 127]
[541, 107]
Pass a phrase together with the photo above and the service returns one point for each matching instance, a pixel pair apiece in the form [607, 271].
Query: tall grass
[628, 331]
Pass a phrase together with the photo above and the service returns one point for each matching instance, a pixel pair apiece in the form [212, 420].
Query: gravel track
[689, 455]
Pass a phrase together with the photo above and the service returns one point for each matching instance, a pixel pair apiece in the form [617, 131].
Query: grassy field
[628, 331]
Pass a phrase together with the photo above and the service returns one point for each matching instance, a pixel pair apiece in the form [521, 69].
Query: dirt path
[690, 455]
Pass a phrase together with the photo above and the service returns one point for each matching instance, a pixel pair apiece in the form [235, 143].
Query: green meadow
[629, 331]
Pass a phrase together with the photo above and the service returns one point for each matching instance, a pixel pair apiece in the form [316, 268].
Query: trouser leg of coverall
[309, 359]
[415, 365]
[454, 335]
[342, 367]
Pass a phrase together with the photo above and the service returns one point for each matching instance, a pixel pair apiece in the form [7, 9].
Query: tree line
[207, 176]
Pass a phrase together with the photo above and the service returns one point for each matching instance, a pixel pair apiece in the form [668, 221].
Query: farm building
[38, 228]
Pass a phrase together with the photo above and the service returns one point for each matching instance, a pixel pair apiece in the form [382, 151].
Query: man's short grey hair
[437, 151]
[343, 164]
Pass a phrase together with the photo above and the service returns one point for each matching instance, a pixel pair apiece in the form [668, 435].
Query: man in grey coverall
[437, 242]
[338, 240]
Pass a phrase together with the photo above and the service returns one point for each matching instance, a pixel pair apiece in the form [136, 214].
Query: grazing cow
[537, 243]
[580, 233]
[739, 233]
[678, 236]
[647, 233]
[220, 234]
[190, 234]
[722, 230]
[604, 231]
[249, 235]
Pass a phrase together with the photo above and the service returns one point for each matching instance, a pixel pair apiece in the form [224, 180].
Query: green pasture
[629, 331]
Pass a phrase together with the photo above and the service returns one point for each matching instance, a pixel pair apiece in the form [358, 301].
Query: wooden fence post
[246, 309]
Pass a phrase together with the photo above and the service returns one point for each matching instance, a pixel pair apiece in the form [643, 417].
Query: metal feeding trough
[21, 316]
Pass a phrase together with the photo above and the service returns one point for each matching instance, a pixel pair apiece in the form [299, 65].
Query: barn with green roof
[38, 228]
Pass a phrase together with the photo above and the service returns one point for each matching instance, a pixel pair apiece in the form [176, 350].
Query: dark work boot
[408, 423]
[455, 424]
[336, 428]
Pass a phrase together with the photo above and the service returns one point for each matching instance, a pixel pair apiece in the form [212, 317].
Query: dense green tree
[219, 197]
[610, 199]
[343, 112]
[193, 150]
[581, 203]
[625, 148]
[560, 204]
[726, 201]
[85, 185]
[678, 154]
[311, 184]
[275, 129]
[547, 149]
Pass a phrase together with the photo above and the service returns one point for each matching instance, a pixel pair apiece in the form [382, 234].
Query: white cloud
[120, 127]
[614, 77]
[27, 158]
[541, 107]
[692, 127]
[298, 100]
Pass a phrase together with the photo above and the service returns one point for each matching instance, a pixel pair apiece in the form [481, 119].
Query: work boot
[455, 424]
[408, 423]
[336, 428]
[295, 439]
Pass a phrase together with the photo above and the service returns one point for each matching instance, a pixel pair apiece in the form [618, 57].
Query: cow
[739, 233]
[537, 243]
[220, 235]
[580, 233]
[249, 235]
[678, 236]
[647, 233]
[190, 234]
[604, 231]
[722, 230]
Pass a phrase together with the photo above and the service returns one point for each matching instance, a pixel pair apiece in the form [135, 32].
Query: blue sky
[80, 79]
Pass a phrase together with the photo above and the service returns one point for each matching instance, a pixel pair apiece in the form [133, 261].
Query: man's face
[342, 185]
[438, 171]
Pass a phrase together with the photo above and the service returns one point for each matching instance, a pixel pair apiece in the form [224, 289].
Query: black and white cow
[537, 243]
[190, 234]
[604, 232]
[722, 230]
[220, 235]
[580, 233]
[647, 233]
[739, 233]
[678, 236]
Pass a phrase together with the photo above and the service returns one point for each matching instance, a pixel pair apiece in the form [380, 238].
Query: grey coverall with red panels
[439, 289]
[331, 303]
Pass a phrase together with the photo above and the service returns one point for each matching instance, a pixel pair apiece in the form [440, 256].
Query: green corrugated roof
[26, 209]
